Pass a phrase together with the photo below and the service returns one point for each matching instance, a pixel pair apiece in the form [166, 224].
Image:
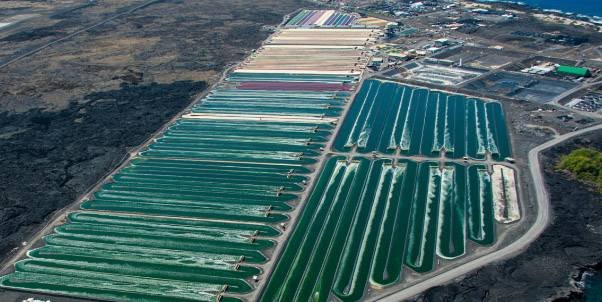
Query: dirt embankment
[555, 261]
[70, 113]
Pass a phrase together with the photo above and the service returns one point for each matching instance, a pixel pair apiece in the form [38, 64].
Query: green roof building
[573, 71]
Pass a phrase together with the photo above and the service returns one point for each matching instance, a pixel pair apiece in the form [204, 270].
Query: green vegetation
[585, 164]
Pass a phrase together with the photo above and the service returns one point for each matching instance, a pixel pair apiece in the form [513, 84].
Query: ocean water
[585, 7]
[593, 288]
[592, 8]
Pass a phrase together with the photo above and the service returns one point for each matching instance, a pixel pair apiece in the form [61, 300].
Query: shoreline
[578, 283]
[594, 19]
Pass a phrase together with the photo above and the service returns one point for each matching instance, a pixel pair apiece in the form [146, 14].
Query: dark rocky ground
[69, 114]
[548, 269]
[51, 157]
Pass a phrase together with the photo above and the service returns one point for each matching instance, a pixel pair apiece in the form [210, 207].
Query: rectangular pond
[388, 116]
[367, 223]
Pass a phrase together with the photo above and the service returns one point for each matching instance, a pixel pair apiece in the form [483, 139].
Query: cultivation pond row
[197, 214]
[387, 116]
[322, 18]
[247, 192]
[295, 86]
[291, 78]
[274, 102]
[190, 218]
[247, 141]
[369, 222]
[144, 258]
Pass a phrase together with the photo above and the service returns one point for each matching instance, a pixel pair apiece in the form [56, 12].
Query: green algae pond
[198, 212]
[369, 221]
[192, 216]
[141, 258]
[270, 102]
[242, 141]
[386, 116]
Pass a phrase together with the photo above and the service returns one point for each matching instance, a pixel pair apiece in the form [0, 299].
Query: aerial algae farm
[301, 176]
